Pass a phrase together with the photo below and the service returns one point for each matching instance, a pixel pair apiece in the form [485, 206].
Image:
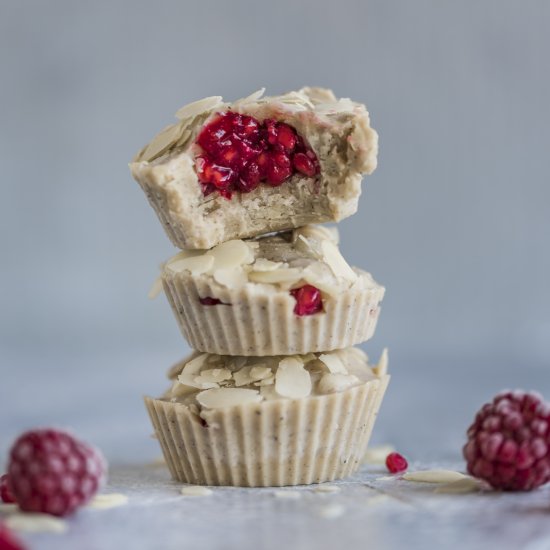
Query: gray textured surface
[367, 513]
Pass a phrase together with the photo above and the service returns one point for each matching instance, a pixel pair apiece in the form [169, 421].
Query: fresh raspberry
[509, 440]
[8, 541]
[52, 472]
[396, 463]
[5, 493]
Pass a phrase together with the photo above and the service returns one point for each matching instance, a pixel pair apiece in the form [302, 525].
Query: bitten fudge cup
[229, 171]
[268, 421]
[280, 294]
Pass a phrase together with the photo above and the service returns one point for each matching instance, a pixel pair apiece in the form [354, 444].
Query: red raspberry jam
[239, 153]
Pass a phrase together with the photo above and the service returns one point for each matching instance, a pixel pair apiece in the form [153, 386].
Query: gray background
[455, 221]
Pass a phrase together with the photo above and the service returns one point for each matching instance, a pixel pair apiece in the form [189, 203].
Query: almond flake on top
[199, 107]
[227, 397]
[332, 383]
[336, 261]
[333, 363]
[292, 379]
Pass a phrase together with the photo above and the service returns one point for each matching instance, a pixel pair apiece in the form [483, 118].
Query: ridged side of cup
[269, 444]
[257, 323]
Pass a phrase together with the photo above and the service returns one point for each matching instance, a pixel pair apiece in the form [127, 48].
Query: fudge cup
[285, 421]
[277, 295]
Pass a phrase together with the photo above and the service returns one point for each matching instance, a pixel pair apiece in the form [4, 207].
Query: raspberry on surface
[509, 441]
[52, 472]
[396, 463]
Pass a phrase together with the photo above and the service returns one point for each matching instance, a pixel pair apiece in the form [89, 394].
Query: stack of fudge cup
[274, 393]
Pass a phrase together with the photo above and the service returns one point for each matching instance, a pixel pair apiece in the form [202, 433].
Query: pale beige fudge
[338, 130]
[268, 421]
[253, 280]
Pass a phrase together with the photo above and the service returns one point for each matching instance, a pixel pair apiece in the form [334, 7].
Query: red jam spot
[209, 301]
[308, 300]
[396, 463]
[239, 153]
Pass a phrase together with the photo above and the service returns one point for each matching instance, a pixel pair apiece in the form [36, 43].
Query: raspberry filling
[239, 152]
[308, 300]
[209, 301]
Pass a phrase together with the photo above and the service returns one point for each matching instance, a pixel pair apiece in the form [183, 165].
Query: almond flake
[266, 381]
[180, 390]
[231, 278]
[109, 500]
[336, 261]
[198, 107]
[333, 363]
[231, 254]
[382, 367]
[284, 275]
[263, 264]
[292, 379]
[216, 375]
[319, 233]
[156, 289]
[460, 487]
[196, 491]
[162, 142]
[377, 454]
[35, 523]
[227, 397]
[332, 383]
[195, 264]
[242, 376]
[189, 374]
[434, 476]
[260, 373]
[320, 276]
[252, 98]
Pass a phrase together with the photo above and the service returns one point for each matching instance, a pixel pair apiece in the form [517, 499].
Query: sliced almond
[227, 397]
[382, 367]
[231, 254]
[263, 264]
[179, 390]
[195, 264]
[215, 375]
[190, 374]
[156, 289]
[333, 363]
[108, 500]
[198, 107]
[434, 476]
[162, 142]
[377, 454]
[460, 487]
[319, 232]
[260, 373]
[252, 98]
[242, 376]
[284, 275]
[196, 491]
[320, 276]
[336, 261]
[266, 381]
[231, 278]
[292, 379]
[332, 383]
